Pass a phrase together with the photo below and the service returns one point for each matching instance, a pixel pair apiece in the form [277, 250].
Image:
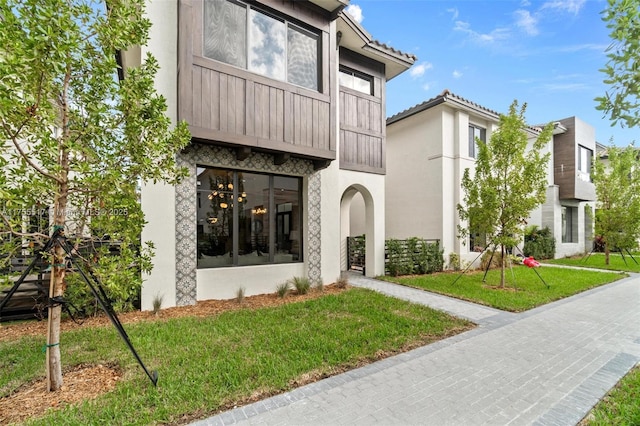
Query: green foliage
[508, 182]
[287, 345]
[539, 243]
[301, 284]
[413, 256]
[622, 72]
[398, 263]
[282, 289]
[76, 142]
[454, 261]
[617, 215]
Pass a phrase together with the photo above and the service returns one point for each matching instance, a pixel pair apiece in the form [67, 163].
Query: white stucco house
[285, 101]
[431, 144]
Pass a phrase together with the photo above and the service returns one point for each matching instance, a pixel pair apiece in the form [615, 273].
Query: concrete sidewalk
[547, 366]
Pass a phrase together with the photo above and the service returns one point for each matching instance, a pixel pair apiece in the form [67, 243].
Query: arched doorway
[358, 217]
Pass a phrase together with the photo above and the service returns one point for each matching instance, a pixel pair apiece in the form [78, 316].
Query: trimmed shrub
[413, 256]
[539, 243]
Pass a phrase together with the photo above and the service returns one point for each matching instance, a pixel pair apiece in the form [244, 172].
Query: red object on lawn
[531, 262]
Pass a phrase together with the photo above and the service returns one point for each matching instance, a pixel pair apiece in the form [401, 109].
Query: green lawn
[596, 260]
[621, 406]
[530, 291]
[206, 365]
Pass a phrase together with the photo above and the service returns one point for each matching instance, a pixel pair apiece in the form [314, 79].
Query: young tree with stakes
[77, 141]
[617, 215]
[507, 184]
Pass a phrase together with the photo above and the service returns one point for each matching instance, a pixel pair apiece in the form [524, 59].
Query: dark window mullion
[236, 220]
[272, 221]
[300, 222]
[247, 42]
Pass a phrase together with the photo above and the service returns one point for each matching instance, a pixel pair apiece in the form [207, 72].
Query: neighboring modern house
[571, 193]
[431, 144]
[285, 101]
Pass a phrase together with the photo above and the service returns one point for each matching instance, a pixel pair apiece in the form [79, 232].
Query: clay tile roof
[444, 96]
[397, 52]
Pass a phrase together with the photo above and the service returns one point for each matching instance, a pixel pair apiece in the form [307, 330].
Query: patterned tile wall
[186, 214]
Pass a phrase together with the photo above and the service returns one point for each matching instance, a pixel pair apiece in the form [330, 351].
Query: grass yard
[596, 260]
[621, 406]
[209, 364]
[530, 292]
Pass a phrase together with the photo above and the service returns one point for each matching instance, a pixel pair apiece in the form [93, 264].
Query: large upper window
[585, 156]
[476, 133]
[247, 218]
[356, 80]
[250, 38]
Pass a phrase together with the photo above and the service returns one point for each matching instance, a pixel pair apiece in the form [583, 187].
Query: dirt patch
[87, 382]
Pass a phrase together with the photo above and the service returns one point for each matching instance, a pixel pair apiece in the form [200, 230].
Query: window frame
[473, 146]
[357, 74]
[270, 222]
[586, 163]
[290, 23]
[569, 224]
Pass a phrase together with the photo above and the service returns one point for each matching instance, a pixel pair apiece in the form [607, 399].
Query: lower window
[247, 218]
[569, 224]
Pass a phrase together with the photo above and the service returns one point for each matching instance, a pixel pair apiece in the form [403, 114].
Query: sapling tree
[76, 142]
[508, 182]
[617, 214]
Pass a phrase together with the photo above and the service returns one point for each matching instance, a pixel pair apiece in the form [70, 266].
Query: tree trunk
[57, 287]
[606, 254]
[54, 367]
[502, 266]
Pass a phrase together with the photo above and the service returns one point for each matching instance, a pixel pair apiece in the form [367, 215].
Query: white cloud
[454, 12]
[525, 3]
[426, 87]
[419, 70]
[527, 22]
[570, 6]
[486, 38]
[355, 11]
[456, 74]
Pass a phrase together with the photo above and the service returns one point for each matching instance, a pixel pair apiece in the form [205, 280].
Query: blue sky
[546, 53]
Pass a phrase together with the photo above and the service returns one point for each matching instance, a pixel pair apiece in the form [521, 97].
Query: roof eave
[332, 6]
[395, 61]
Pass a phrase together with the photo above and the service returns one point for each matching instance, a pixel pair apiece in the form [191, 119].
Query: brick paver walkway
[547, 366]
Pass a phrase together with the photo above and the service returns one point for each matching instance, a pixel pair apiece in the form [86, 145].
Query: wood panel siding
[227, 105]
[362, 118]
[565, 164]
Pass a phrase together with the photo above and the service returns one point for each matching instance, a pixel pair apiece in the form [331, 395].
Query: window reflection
[247, 218]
